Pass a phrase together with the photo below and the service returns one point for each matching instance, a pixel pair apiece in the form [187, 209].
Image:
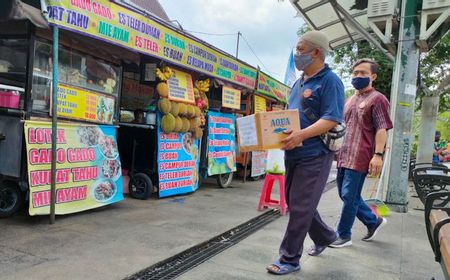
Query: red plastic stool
[265, 198]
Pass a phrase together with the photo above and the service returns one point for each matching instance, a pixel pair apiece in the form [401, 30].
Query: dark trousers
[350, 184]
[305, 182]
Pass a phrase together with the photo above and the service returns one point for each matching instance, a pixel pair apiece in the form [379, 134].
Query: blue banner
[178, 163]
[221, 143]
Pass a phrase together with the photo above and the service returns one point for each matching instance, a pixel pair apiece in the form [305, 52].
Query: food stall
[159, 45]
[88, 170]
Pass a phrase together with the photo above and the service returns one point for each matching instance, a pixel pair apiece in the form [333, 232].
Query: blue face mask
[360, 82]
[302, 61]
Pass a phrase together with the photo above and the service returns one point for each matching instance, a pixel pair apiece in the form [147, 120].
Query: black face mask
[360, 82]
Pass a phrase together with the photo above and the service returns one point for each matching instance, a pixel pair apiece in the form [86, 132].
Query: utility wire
[212, 34]
[251, 49]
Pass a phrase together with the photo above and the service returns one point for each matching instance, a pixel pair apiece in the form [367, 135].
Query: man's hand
[375, 166]
[292, 141]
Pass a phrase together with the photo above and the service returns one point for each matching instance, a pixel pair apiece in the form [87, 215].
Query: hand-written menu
[247, 131]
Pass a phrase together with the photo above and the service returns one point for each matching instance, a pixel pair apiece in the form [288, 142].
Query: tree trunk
[430, 107]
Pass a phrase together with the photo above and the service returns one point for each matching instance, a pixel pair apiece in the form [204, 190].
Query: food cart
[88, 170]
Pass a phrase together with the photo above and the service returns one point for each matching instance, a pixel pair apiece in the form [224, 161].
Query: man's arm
[376, 164]
[296, 137]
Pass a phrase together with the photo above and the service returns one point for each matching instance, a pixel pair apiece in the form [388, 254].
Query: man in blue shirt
[319, 97]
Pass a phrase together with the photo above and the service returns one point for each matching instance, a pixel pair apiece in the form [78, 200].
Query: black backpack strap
[308, 111]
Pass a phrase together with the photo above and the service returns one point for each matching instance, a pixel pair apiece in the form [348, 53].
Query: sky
[268, 26]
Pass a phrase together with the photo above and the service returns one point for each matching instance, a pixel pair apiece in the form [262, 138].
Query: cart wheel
[224, 180]
[11, 198]
[140, 186]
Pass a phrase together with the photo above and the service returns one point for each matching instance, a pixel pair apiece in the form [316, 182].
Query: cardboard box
[264, 130]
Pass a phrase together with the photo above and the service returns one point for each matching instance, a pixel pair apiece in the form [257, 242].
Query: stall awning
[322, 15]
[17, 10]
[148, 35]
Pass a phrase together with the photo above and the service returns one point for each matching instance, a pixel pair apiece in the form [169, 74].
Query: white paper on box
[247, 131]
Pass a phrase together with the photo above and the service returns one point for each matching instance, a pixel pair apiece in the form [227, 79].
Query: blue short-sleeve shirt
[324, 94]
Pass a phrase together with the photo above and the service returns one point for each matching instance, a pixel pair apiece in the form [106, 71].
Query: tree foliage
[434, 69]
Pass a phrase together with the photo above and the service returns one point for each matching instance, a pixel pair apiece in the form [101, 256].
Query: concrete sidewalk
[121, 239]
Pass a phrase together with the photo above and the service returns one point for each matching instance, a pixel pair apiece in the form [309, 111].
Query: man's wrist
[379, 154]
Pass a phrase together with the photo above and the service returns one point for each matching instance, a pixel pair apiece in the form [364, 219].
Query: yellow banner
[260, 104]
[181, 87]
[272, 88]
[231, 98]
[88, 171]
[80, 104]
[113, 23]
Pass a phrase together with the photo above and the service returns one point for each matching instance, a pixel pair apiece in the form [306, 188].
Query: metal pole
[237, 46]
[54, 124]
[403, 94]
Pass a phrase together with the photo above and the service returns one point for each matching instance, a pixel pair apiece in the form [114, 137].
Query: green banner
[270, 87]
[115, 24]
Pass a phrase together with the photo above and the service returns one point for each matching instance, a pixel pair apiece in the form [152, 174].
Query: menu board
[81, 104]
[260, 104]
[88, 170]
[221, 143]
[181, 88]
[231, 98]
[178, 163]
[113, 23]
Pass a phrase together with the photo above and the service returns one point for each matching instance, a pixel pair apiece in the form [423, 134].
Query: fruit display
[168, 123]
[163, 75]
[174, 108]
[178, 116]
[164, 105]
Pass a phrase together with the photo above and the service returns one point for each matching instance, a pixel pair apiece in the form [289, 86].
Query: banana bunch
[164, 74]
[202, 86]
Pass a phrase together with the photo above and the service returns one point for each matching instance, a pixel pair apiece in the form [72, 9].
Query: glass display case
[13, 61]
[75, 69]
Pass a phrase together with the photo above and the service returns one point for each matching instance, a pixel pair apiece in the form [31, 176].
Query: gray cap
[317, 38]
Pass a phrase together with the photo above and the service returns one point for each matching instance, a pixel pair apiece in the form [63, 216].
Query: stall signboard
[136, 95]
[178, 163]
[107, 21]
[81, 104]
[231, 98]
[88, 171]
[260, 104]
[259, 160]
[270, 87]
[221, 143]
[181, 88]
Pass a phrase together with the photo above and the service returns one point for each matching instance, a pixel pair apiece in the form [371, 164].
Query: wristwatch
[379, 154]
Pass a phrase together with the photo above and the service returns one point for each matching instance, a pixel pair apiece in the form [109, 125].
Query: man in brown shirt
[366, 116]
